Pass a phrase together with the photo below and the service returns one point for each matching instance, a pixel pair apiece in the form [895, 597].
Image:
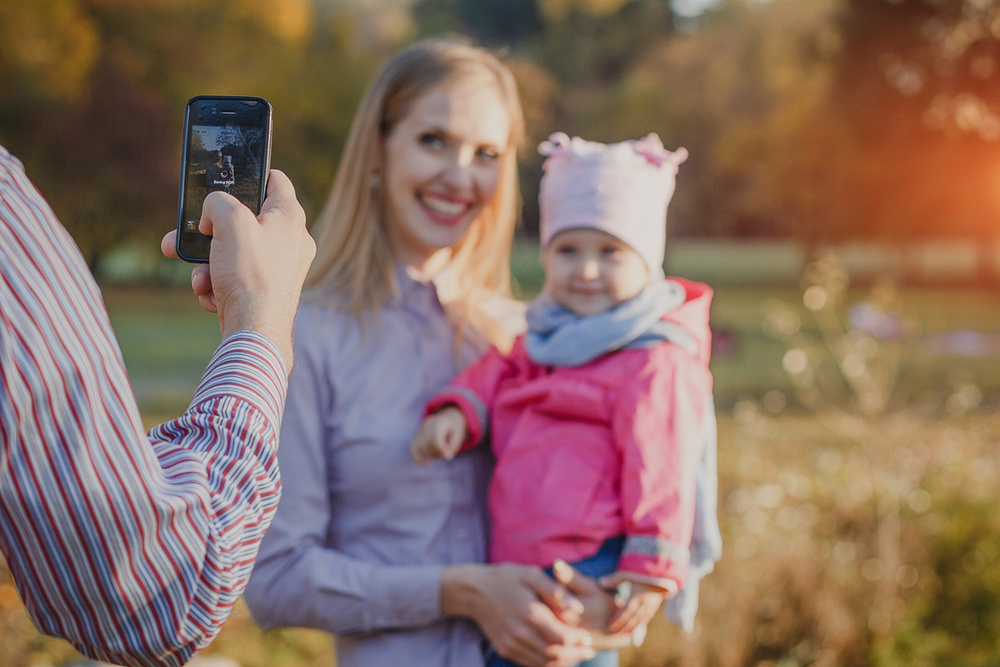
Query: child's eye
[566, 250]
[610, 251]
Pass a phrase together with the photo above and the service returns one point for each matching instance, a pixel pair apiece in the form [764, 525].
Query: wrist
[275, 326]
[460, 589]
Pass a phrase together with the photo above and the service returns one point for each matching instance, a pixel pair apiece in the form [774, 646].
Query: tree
[94, 92]
[919, 82]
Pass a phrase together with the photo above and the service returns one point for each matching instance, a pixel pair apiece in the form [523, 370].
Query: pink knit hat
[622, 189]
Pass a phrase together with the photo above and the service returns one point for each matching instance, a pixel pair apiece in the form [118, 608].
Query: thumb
[556, 596]
[610, 581]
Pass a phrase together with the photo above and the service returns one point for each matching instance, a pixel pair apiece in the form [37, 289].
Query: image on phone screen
[226, 151]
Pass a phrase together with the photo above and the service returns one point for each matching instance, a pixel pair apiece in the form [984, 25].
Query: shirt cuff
[247, 365]
[406, 596]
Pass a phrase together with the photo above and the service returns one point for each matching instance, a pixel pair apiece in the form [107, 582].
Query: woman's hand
[600, 608]
[527, 617]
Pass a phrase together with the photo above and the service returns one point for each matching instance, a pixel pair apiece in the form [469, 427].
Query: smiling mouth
[444, 208]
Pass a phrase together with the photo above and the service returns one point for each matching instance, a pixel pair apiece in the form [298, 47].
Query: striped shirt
[133, 547]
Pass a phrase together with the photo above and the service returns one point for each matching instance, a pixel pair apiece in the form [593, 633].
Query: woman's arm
[301, 580]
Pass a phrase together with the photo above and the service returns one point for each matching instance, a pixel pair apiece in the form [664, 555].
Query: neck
[426, 267]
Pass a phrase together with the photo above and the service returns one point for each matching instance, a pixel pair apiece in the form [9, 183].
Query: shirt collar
[413, 291]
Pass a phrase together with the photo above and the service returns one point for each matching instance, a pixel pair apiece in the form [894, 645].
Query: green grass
[167, 340]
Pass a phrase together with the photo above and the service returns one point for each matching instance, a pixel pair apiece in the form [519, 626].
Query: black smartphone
[227, 147]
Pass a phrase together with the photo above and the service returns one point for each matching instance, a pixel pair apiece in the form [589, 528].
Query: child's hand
[638, 604]
[440, 436]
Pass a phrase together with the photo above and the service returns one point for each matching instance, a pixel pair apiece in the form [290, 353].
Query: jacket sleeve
[474, 391]
[299, 579]
[658, 426]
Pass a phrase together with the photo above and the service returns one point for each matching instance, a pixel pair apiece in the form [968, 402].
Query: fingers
[201, 280]
[544, 641]
[201, 284]
[504, 602]
[218, 205]
[201, 277]
[636, 612]
[556, 594]
[572, 580]
[450, 443]
[280, 197]
[280, 204]
[422, 454]
[168, 246]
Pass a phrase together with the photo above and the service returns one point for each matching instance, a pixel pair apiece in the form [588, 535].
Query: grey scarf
[558, 337]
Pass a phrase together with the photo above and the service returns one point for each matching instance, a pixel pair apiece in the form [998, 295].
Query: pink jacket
[590, 452]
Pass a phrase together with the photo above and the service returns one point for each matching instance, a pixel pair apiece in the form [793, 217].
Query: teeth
[442, 207]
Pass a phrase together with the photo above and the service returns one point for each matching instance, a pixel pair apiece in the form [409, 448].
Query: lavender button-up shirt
[362, 532]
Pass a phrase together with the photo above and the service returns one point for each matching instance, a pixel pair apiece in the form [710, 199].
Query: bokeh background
[842, 198]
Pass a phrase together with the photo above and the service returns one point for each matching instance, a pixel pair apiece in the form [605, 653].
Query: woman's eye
[488, 154]
[432, 140]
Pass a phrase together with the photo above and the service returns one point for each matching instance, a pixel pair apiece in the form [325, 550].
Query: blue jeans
[605, 561]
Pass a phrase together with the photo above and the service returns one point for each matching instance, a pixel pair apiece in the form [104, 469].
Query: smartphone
[227, 147]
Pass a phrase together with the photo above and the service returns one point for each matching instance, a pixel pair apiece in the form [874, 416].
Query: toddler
[601, 417]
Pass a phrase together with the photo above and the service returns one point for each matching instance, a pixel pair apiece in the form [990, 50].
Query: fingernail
[560, 565]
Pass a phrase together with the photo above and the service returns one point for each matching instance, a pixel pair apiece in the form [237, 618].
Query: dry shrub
[877, 550]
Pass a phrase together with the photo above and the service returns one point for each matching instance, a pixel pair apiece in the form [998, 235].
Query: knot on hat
[622, 189]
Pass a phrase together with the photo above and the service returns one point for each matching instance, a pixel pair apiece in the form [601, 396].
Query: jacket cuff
[646, 558]
[472, 407]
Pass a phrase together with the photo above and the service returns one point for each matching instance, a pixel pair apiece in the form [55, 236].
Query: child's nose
[589, 268]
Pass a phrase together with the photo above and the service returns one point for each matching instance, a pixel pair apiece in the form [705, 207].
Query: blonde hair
[353, 254]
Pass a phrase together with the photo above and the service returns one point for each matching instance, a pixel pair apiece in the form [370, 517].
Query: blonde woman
[411, 270]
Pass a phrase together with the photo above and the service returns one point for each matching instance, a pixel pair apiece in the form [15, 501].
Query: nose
[458, 172]
[588, 269]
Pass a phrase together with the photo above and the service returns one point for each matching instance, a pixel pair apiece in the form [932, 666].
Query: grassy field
[167, 340]
[860, 540]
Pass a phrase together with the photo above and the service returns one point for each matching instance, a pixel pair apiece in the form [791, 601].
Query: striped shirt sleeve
[133, 547]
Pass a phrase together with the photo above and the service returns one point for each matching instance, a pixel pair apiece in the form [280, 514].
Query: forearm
[132, 552]
[143, 562]
[324, 589]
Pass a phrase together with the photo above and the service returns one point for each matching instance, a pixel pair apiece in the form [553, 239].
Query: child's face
[589, 272]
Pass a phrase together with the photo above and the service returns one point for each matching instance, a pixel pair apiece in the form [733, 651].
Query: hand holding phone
[227, 148]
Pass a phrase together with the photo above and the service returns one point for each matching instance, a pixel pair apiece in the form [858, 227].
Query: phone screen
[227, 149]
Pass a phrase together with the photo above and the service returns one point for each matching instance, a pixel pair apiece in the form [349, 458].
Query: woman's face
[441, 167]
